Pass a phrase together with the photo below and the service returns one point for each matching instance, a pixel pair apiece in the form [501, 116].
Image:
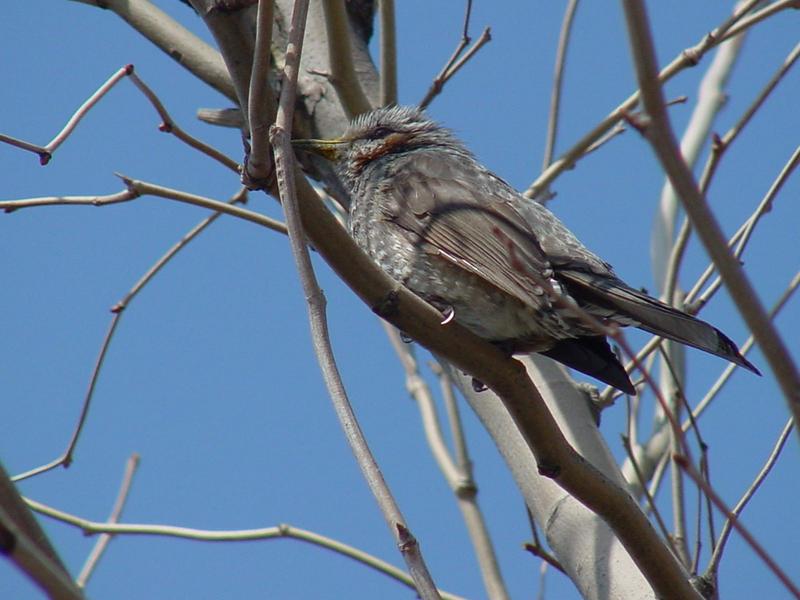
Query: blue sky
[211, 377]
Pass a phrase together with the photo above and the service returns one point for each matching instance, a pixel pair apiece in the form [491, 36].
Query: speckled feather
[464, 240]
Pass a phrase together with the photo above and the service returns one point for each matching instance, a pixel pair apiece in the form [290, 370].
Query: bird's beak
[330, 149]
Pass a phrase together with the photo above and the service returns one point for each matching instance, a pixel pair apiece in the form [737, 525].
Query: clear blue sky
[211, 377]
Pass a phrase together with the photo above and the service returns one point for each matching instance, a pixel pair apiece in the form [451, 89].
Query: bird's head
[380, 133]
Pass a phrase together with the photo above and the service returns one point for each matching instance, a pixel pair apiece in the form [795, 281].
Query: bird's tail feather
[593, 356]
[652, 315]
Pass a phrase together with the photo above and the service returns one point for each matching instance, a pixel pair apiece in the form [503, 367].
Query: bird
[500, 264]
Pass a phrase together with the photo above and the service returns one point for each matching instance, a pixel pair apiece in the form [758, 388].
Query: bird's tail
[651, 315]
[593, 356]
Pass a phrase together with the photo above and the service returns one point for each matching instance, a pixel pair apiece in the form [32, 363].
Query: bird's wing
[452, 210]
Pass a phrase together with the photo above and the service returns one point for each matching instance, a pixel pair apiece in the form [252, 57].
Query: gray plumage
[462, 239]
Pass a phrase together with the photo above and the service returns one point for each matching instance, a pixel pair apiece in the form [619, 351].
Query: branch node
[691, 56]
[406, 540]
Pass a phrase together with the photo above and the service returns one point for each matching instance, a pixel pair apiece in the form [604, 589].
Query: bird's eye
[380, 132]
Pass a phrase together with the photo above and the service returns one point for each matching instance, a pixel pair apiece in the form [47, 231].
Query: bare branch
[458, 480]
[653, 456]
[747, 22]
[538, 551]
[169, 126]
[745, 232]
[555, 95]
[46, 152]
[626, 443]
[233, 535]
[105, 538]
[453, 64]
[713, 563]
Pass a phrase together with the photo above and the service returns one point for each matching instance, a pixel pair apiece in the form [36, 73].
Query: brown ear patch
[391, 143]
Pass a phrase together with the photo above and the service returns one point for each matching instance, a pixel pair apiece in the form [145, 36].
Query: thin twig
[721, 144]
[137, 188]
[168, 125]
[694, 306]
[747, 22]
[538, 551]
[234, 535]
[105, 539]
[438, 84]
[655, 449]
[746, 535]
[117, 198]
[689, 57]
[558, 75]
[280, 136]
[453, 64]
[748, 227]
[46, 152]
[650, 501]
[118, 309]
[713, 563]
